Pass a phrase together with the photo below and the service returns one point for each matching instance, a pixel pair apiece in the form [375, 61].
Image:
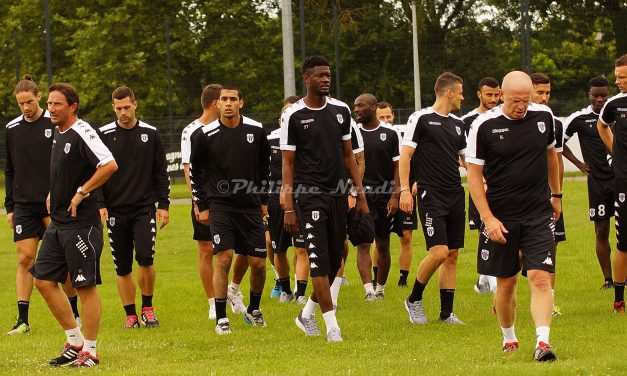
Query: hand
[406, 202]
[163, 217]
[392, 205]
[203, 217]
[195, 212]
[495, 230]
[76, 200]
[290, 221]
[362, 204]
[556, 203]
[414, 189]
[352, 201]
[104, 214]
[584, 168]
[264, 211]
[10, 219]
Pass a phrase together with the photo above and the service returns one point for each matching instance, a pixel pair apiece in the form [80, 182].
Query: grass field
[588, 338]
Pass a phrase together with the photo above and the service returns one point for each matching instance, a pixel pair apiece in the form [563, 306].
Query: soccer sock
[542, 335]
[255, 299]
[234, 286]
[74, 337]
[403, 278]
[619, 291]
[74, 303]
[483, 279]
[220, 308]
[330, 320]
[146, 301]
[310, 308]
[130, 310]
[285, 285]
[301, 287]
[90, 347]
[335, 289]
[446, 303]
[375, 271]
[380, 288]
[509, 335]
[369, 288]
[492, 281]
[22, 310]
[212, 302]
[416, 292]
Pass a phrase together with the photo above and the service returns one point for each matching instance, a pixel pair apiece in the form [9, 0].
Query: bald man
[513, 147]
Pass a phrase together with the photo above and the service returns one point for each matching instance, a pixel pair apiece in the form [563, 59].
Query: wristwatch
[81, 192]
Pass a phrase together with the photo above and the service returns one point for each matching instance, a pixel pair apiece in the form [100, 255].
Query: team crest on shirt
[250, 138]
[541, 126]
[48, 133]
[430, 231]
[383, 136]
[216, 239]
[67, 147]
[18, 229]
[111, 221]
[340, 118]
[459, 130]
[315, 215]
[621, 197]
[144, 137]
[592, 212]
[485, 254]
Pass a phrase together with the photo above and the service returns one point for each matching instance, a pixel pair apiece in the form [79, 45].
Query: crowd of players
[318, 177]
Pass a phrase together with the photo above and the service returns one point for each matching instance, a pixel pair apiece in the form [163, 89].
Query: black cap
[360, 227]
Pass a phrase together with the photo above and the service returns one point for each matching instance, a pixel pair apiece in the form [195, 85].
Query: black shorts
[28, 221]
[127, 231]
[534, 239]
[560, 230]
[241, 232]
[280, 238]
[442, 215]
[474, 219]
[383, 225]
[201, 232]
[620, 192]
[408, 221]
[322, 221]
[600, 198]
[75, 251]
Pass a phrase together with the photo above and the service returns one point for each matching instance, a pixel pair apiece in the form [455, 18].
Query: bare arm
[568, 154]
[350, 164]
[492, 226]
[102, 174]
[287, 193]
[406, 203]
[360, 159]
[605, 132]
[554, 182]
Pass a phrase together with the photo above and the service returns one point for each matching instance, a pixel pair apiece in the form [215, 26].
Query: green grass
[588, 338]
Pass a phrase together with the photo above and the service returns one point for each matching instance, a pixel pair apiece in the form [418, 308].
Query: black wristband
[556, 195]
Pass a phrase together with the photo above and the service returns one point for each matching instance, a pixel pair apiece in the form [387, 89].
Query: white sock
[75, 337]
[212, 302]
[509, 335]
[310, 308]
[90, 347]
[492, 281]
[380, 288]
[335, 289]
[329, 320]
[483, 279]
[369, 287]
[276, 274]
[234, 286]
[542, 335]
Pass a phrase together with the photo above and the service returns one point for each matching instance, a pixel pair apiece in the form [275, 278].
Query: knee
[223, 260]
[257, 264]
[451, 259]
[506, 286]
[540, 280]
[25, 260]
[439, 254]
[43, 286]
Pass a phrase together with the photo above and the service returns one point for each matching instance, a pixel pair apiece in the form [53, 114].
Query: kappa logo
[592, 212]
[485, 254]
[312, 246]
[541, 126]
[315, 215]
[308, 226]
[273, 244]
[67, 147]
[459, 130]
[80, 278]
[18, 229]
[340, 118]
[48, 133]
[111, 221]
[216, 239]
[430, 231]
[621, 197]
[548, 261]
[313, 266]
[313, 255]
[310, 236]
[144, 137]
[383, 136]
[250, 138]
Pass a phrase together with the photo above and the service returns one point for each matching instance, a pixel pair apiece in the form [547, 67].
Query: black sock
[146, 301]
[403, 278]
[446, 303]
[609, 280]
[220, 309]
[301, 287]
[277, 283]
[22, 310]
[285, 285]
[255, 299]
[130, 310]
[416, 292]
[74, 303]
[619, 291]
[375, 271]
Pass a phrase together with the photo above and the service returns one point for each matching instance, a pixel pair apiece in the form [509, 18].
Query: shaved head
[517, 81]
[367, 98]
[516, 94]
[366, 110]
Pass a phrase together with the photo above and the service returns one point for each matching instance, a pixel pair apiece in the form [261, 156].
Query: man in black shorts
[317, 161]
[382, 152]
[80, 163]
[512, 147]
[488, 94]
[128, 203]
[437, 138]
[202, 233]
[600, 176]
[230, 190]
[615, 112]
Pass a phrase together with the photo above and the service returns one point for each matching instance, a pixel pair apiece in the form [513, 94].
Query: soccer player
[27, 182]
[488, 94]
[409, 222]
[202, 233]
[229, 189]
[513, 148]
[615, 112]
[80, 163]
[541, 94]
[128, 203]
[317, 160]
[437, 137]
[599, 173]
[382, 152]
